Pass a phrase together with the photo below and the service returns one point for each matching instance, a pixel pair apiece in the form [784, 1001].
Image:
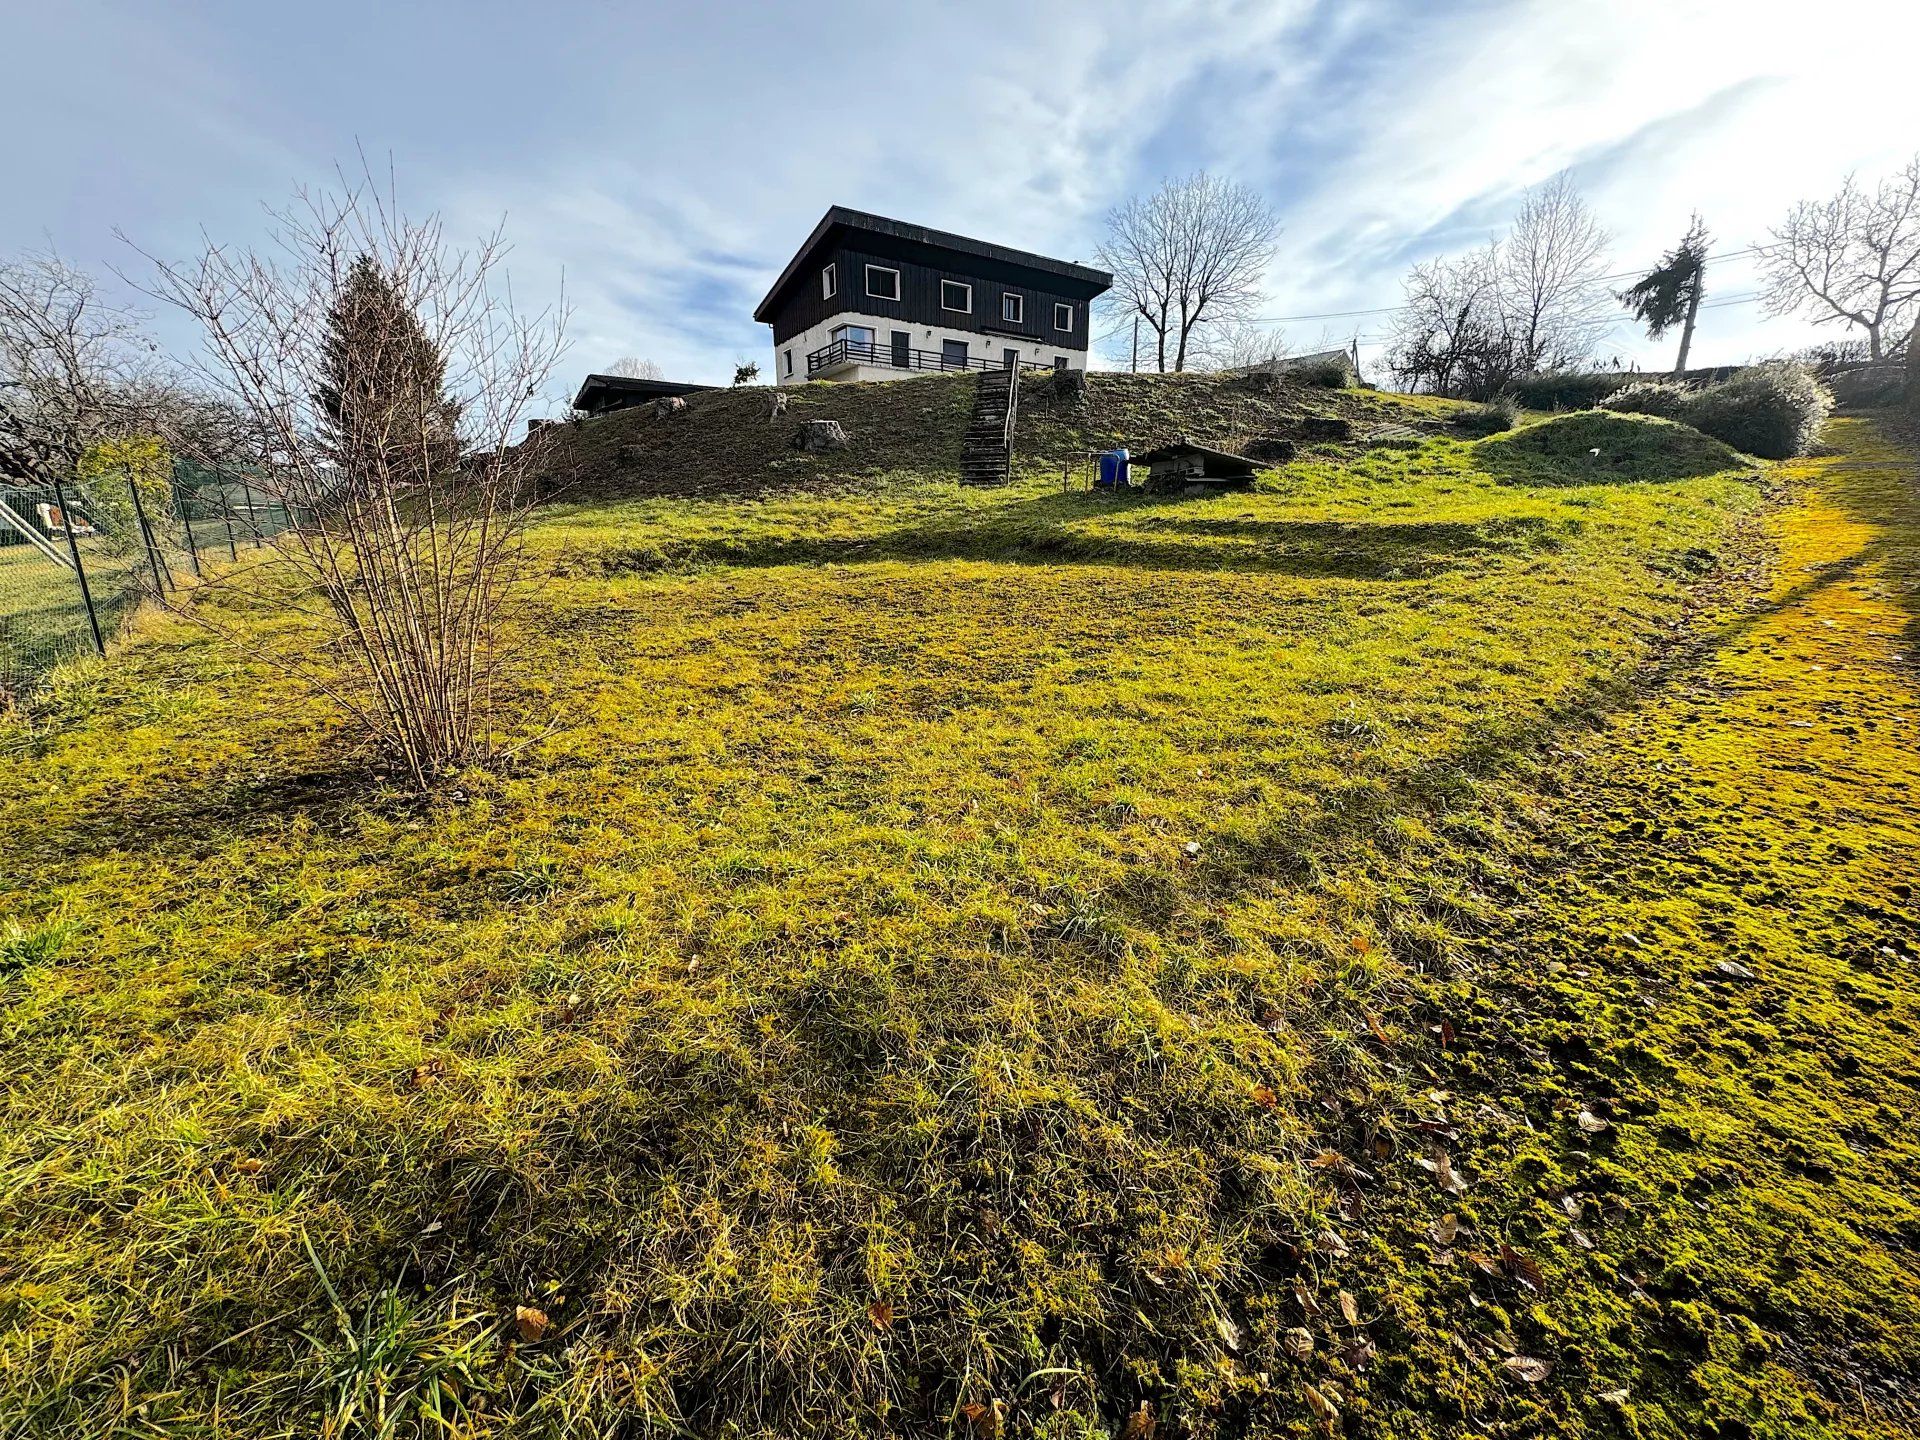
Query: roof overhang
[840, 220]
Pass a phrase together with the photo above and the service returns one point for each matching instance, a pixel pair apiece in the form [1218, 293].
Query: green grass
[929, 971]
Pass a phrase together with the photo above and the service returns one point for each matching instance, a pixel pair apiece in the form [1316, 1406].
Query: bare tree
[1670, 293]
[1190, 256]
[634, 368]
[1450, 335]
[388, 374]
[71, 364]
[1852, 260]
[1240, 345]
[1529, 300]
[1547, 277]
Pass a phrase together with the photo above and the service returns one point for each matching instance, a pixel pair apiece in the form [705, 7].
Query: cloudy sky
[665, 160]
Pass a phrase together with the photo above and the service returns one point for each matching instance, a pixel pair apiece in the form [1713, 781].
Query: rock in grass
[820, 435]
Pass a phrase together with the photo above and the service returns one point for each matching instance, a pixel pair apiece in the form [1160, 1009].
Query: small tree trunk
[1913, 367]
[1686, 331]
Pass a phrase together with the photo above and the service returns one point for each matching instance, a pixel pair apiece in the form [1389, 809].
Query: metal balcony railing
[864, 352]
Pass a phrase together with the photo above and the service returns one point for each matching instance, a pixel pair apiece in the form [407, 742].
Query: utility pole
[1136, 345]
[1356, 359]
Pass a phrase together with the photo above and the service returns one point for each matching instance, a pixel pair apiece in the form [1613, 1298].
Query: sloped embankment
[729, 442]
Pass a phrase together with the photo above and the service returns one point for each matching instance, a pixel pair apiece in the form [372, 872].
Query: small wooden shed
[1184, 463]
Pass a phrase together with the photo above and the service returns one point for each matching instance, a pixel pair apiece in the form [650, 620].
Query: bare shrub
[388, 373]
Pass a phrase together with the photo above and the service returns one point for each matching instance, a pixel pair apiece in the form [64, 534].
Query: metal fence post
[146, 535]
[79, 569]
[226, 518]
[186, 525]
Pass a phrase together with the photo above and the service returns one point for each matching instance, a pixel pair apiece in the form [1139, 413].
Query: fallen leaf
[1297, 1342]
[1140, 1424]
[1358, 1353]
[1591, 1123]
[1734, 970]
[1527, 1368]
[1329, 1243]
[1524, 1268]
[1361, 944]
[1440, 1166]
[249, 1166]
[1229, 1332]
[1615, 1397]
[1349, 1310]
[1264, 1097]
[1446, 1032]
[1580, 1239]
[986, 1420]
[881, 1313]
[1445, 1228]
[1373, 1024]
[531, 1323]
[1305, 1297]
[1484, 1262]
[1321, 1406]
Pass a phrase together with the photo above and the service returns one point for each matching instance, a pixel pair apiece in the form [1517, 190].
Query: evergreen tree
[387, 419]
[1670, 293]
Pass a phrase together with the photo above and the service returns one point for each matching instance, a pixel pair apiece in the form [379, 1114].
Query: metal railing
[868, 352]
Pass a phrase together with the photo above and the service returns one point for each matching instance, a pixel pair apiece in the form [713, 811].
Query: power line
[1394, 309]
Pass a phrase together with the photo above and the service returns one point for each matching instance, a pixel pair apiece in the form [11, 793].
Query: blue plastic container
[1113, 470]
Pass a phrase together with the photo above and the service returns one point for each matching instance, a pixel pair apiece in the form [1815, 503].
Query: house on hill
[868, 298]
[603, 394]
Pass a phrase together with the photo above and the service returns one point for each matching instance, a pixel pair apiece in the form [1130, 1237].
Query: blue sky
[665, 160]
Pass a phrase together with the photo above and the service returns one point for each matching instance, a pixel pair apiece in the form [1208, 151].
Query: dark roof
[1222, 458]
[598, 390]
[840, 218]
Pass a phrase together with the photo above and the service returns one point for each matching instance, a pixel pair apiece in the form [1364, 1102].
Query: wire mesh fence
[75, 563]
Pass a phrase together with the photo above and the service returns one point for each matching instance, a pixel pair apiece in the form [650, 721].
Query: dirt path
[1717, 959]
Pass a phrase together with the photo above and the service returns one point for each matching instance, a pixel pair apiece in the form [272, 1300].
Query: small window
[829, 283]
[956, 295]
[1063, 317]
[1060, 362]
[1013, 308]
[882, 283]
[789, 359]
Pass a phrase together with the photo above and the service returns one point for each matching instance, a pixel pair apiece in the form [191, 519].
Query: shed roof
[597, 390]
[840, 219]
[1216, 459]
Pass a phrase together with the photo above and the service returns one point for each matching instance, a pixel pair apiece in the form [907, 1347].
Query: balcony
[823, 363]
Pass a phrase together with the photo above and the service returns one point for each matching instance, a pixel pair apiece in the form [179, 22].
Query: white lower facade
[872, 348]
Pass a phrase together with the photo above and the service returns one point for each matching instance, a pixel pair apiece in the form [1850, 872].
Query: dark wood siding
[922, 268]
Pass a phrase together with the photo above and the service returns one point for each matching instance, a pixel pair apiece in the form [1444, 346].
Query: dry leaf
[1525, 1268]
[1580, 1239]
[1445, 1228]
[1361, 944]
[881, 1313]
[1348, 1309]
[1358, 1353]
[1229, 1332]
[987, 1420]
[1441, 1168]
[1305, 1297]
[1373, 1024]
[1591, 1123]
[1297, 1342]
[1322, 1407]
[1527, 1368]
[1484, 1262]
[1264, 1097]
[1140, 1424]
[1329, 1243]
[531, 1323]
[249, 1166]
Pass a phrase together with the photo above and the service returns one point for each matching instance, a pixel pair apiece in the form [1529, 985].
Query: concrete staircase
[987, 456]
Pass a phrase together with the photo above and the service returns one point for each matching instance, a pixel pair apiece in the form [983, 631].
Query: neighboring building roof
[840, 219]
[1279, 364]
[612, 392]
[1215, 459]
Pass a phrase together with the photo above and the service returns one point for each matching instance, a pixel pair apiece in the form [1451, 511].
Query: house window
[858, 338]
[829, 283]
[1013, 308]
[789, 359]
[882, 283]
[1063, 317]
[956, 295]
[1060, 362]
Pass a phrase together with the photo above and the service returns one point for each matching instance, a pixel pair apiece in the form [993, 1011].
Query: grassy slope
[1734, 1253]
[939, 959]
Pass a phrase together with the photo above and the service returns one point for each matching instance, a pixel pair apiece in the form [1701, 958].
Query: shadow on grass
[1146, 534]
